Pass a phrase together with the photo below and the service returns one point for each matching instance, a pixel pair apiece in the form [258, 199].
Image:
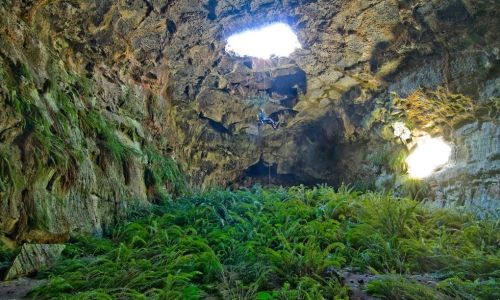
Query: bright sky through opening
[429, 155]
[276, 39]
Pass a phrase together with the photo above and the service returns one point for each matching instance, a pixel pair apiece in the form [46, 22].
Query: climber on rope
[263, 119]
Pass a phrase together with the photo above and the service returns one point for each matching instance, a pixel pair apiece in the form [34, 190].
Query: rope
[261, 150]
[269, 181]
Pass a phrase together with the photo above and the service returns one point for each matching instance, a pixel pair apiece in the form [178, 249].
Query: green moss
[280, 244]
[434, 111]
[24, 72]
[52, 124]
[164, 174]
[10, 173]
[94, 122]
[6, 254]
[3, 72]
[439, 109]
[60, 120]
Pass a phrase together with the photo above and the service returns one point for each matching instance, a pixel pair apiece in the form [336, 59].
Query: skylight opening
[277, 39]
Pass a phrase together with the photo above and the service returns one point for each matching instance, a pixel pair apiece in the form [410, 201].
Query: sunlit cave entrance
[276, 39]
[429, 155]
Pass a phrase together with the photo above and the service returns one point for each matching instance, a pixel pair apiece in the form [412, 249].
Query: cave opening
[429, 155]
[276, 39]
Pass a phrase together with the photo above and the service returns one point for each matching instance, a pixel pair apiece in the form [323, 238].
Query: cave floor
[283, 243]
[19, 288]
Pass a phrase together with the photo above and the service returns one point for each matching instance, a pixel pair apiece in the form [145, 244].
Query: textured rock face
[34, 258]
[165, 81]
[354, 53]
[473, 177]
[56, 178]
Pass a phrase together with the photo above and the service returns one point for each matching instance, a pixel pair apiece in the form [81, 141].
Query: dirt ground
[18, 289]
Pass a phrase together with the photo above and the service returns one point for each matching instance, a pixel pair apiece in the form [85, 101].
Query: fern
[164, 174]
[281, 244]
[397, 287]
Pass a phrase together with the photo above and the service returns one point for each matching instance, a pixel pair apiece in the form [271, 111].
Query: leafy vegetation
[164, 175]
[9, 171]
[59, 125]
[398, 287]
[283, 244]
[60, 117]
[107, 138]
[467, 289]
[46, 133]
[391, 157]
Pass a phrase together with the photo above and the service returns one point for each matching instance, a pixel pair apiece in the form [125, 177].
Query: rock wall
[161, 78]
[76, 148]
[473, 177]
[354, 53]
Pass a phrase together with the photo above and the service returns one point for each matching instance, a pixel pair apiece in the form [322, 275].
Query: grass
[282, 244]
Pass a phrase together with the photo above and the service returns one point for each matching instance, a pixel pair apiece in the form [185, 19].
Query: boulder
[34, 258]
